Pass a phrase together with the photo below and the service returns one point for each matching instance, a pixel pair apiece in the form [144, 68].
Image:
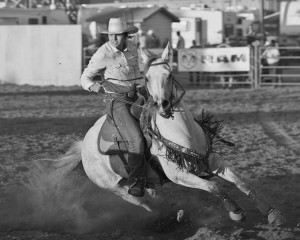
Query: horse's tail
[67, 162]
[53, 170]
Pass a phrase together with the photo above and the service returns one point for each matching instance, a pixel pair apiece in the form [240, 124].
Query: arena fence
[287, 72]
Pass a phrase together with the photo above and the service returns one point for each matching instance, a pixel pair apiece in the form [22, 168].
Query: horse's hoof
[151, 192]
[180, 215]
[237, 216]
[275, 217]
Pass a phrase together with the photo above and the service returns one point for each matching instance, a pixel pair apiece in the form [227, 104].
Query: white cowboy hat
[118, 26]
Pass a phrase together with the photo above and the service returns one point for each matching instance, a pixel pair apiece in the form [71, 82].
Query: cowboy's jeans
[130, 130]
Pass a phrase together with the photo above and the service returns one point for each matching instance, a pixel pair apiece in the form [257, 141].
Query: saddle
[111, 143]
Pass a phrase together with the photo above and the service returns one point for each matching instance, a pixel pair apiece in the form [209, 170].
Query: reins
[124, 100]
[150, 64]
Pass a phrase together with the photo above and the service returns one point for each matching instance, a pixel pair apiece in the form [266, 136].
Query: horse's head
[159, 80]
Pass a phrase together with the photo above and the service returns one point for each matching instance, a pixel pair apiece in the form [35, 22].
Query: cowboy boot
[137, 164]
[137, 189]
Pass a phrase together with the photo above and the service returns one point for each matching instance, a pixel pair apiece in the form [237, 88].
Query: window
[229, 30]
[33, 21]
[239, 32]
[8, 21]
[44, 20]
[182, 26]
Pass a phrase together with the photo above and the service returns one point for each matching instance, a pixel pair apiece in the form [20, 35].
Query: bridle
[175, 84]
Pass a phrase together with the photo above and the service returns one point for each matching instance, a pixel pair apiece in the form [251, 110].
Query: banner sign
[226, 59]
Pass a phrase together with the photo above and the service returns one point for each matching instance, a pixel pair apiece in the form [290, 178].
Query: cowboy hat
[118, 26]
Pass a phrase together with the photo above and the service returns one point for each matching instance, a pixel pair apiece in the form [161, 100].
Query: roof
[95, 1]
[132, 15]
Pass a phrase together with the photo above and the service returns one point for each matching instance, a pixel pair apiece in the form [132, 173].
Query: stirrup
[137, 189]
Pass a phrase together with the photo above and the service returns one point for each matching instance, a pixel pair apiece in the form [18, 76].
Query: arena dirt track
[42, 122]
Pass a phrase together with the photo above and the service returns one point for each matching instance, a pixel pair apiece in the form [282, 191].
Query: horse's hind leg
[219, 166]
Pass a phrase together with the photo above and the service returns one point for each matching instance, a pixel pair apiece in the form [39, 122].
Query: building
[269, 5]
[157, 19]
[290, 19]
[203, 26]
[20, 16]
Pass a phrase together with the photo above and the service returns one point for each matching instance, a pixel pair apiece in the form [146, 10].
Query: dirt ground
[42, 122]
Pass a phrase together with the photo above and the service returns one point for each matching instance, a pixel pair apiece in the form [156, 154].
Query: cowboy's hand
[141, 89]
[95, 87]
[138, 87]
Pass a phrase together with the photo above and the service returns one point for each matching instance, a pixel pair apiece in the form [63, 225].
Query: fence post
[256, 65]
[83, 58]
[251, 71]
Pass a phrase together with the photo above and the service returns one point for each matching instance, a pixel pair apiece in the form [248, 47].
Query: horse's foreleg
[220, 167]
[187, 179]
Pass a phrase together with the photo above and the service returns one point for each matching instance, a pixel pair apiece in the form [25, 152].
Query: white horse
[172, 123]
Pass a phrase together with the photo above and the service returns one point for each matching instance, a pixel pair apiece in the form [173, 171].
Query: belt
[131, 94]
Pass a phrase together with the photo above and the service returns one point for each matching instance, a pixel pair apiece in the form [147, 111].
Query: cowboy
[180, 42]
[118, 59]
[272, 58]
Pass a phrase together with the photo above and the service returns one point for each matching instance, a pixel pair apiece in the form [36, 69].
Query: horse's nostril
[165, 104]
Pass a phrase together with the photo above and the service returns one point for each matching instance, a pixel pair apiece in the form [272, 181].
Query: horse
[180, 145]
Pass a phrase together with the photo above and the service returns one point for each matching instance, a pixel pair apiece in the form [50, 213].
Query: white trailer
[203, 25]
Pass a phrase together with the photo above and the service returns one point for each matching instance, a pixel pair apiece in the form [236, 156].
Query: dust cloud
[74, 204]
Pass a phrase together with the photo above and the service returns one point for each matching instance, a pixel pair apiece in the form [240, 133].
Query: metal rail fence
[287, 72]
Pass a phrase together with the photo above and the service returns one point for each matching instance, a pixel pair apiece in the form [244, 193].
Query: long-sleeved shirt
[118, 67]
[271, 54]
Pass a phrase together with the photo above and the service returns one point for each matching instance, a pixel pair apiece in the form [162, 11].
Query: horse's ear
[167, 52]
[144, 56]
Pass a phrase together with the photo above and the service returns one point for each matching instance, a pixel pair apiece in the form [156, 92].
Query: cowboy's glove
[96, 87]
[141, 89]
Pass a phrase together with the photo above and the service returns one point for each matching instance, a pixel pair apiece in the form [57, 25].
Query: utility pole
[262, 26]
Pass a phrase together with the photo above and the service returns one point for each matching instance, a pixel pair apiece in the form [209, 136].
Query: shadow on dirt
[77, 206]
[30, 126]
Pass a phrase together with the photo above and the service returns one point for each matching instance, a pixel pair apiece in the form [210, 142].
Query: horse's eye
[146, 79]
